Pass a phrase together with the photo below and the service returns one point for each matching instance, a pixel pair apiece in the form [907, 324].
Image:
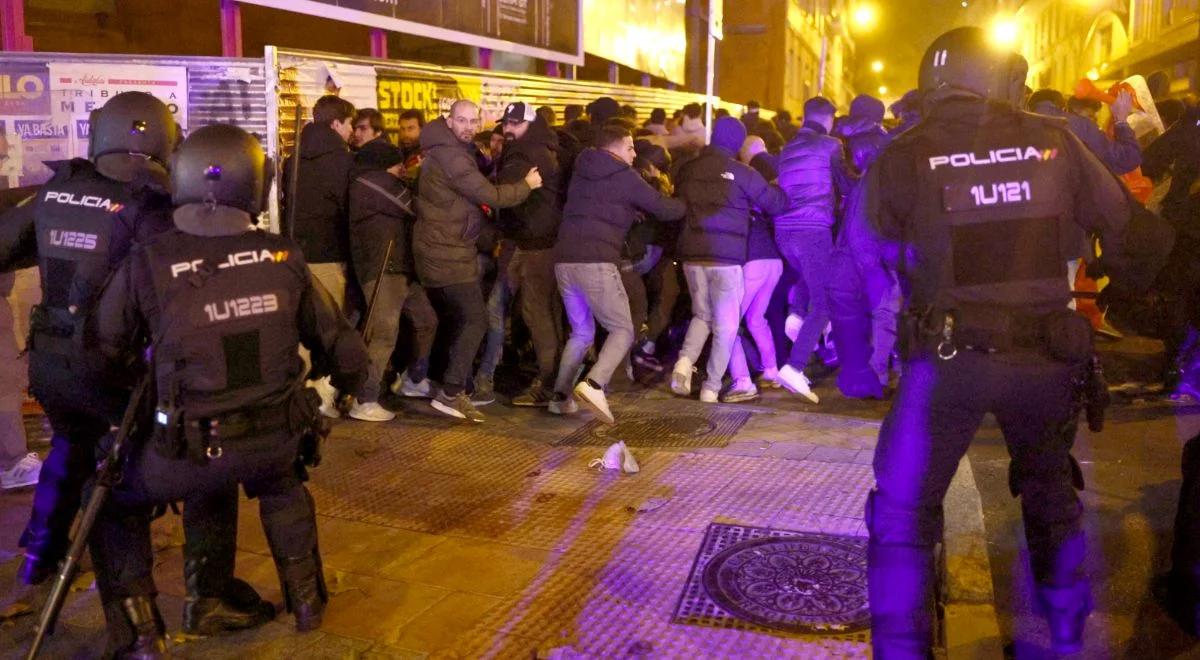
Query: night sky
[904, 29]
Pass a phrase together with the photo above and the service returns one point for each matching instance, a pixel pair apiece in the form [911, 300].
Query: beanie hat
[866, 108]
[729, 133]
[603, 109]
[378, 155]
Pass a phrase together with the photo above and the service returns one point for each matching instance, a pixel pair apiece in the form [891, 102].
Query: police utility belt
[1061, 335]
[204, 439]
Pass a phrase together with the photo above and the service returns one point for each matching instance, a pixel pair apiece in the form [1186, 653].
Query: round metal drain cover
[665, 429]
[812, 585]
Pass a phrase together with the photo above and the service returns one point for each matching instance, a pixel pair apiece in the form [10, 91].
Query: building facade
[814, 38]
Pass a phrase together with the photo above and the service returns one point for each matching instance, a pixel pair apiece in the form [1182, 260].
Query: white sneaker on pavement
[328, 396]
[371, 412]
[708, 396]
[791, 327]
[566, 406]
[593, 397]
[405, 387]
[24, 473]
[743, 389]
[612, 458]
[796, 382]
[681, 377]
[628, 463]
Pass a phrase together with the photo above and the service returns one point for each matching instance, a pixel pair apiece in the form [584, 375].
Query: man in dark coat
[449, 219]
[722, 194]
[321, 224]
[603, 202]
[533, 226]
[381, 213]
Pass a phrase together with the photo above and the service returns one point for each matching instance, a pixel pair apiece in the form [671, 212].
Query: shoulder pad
[66, 168]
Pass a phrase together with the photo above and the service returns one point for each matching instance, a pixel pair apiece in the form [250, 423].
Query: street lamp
[864, 17]
[877, 66]
[1005, 31]
[883, 90]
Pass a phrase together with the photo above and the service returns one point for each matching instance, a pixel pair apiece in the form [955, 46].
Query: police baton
[108, 475]
[345, 401]
[294, 173]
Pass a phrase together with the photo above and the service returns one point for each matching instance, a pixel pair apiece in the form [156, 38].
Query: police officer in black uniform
[223, 308]
[980, 197]
[79, 227]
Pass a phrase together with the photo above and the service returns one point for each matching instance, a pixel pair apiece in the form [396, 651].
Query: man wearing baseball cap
[533, 226]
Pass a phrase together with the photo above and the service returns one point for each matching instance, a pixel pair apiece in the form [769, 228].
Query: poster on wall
[432, 94]
[28, 134]
[548, 29]
[77, 88]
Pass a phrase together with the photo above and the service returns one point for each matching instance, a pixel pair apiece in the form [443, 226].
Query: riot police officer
[223, 308]
[979, 196]
[79, 227]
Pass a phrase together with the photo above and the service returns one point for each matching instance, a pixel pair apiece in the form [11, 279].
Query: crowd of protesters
[629, 246]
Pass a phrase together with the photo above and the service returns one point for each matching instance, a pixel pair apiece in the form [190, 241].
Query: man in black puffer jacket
[722, 195]
[812, 171]
[533, 226]
[450, 194]
[604, 201]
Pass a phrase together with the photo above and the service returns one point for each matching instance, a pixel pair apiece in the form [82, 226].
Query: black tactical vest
[227, 325]
[85, 224]
[994, 208]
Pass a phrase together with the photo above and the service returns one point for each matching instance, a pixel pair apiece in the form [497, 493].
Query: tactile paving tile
[661, 430]
[697, 606]
[612, 593]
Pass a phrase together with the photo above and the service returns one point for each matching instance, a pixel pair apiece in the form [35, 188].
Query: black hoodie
[322, 226]
[603, 202]
[534, 224]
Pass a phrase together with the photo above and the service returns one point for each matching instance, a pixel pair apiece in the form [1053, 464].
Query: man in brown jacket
[450, 194]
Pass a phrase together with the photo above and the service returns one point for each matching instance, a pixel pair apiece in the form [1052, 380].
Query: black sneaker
[459, 406]
[537, 396]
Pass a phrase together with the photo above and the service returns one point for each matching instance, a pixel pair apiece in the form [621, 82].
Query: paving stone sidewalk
[447, 540]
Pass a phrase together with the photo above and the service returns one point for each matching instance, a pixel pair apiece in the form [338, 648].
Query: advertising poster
[538, 28]
[432, 94]
[28, 136]
[77, 88]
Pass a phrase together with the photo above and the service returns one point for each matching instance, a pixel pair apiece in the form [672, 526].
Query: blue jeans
[499, 302]
[808, 252]
[591, 293]
[938, 408]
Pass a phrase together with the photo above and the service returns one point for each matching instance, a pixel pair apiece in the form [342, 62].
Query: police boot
[42, 554]
[135, 630]
[304, 590]
[1066, 610]
[239, 607]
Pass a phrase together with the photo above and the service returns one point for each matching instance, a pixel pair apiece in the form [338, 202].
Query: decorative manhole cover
[775, 581]
[803, 584]
[657, 430]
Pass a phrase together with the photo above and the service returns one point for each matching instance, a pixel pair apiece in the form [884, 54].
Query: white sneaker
[743, 389]
[328, 395]
[628, 463]
[371, 412]
[708, 396]
[796, 382]
[594, 399]
[405, 387]
[681, 377]
[612, 457]
[791, 327]
[567, 406]
[24, 473]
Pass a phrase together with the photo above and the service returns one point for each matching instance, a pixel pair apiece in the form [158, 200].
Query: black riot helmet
[221, 165]
[964, 59]
[132, 123]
